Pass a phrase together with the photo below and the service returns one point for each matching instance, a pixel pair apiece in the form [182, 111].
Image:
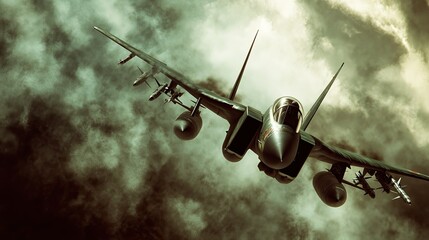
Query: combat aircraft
[278, 137]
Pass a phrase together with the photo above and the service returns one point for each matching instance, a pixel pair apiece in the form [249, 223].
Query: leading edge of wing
[146, 57]
[221, 106]
[162, 67]
[331, 154]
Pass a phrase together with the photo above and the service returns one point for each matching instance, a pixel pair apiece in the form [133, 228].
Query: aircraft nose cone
[274, 153]
[280, 149]
[337, 195]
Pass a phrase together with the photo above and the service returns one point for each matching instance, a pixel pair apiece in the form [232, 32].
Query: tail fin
[237, 82]
[316, 105]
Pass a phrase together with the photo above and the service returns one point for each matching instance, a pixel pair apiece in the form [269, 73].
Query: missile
[157, 92]
[123, 61]
[144, 76]
[400, 191]
[361, 179]
[385, 180]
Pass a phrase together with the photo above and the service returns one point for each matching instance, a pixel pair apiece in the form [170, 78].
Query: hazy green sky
[83, 154]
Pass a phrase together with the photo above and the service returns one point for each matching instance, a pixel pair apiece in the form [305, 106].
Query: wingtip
[99, 29]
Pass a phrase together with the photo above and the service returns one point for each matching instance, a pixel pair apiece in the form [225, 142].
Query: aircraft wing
[331, 154]
[224, 107]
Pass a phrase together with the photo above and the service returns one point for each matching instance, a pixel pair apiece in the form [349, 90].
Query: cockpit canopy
[288, 111]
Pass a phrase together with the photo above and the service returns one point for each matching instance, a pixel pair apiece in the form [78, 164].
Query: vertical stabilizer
[316, 105]
[237, 82]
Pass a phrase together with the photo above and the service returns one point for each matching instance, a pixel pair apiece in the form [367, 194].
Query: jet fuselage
[279, 136]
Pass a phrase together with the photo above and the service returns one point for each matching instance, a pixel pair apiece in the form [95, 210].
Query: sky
[84, 155]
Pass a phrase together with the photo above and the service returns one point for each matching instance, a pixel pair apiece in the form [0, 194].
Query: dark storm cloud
[46, 199]
[83, 155]
[213, 85]
[42, 197]
[36, 187]
[8, 34]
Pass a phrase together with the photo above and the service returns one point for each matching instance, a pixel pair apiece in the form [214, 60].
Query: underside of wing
[224, 107]
[331, 154]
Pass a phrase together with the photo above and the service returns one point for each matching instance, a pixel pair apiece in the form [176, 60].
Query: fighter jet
[161, 89]
[278, 136]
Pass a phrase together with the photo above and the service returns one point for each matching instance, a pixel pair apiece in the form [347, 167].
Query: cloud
[83, 154]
